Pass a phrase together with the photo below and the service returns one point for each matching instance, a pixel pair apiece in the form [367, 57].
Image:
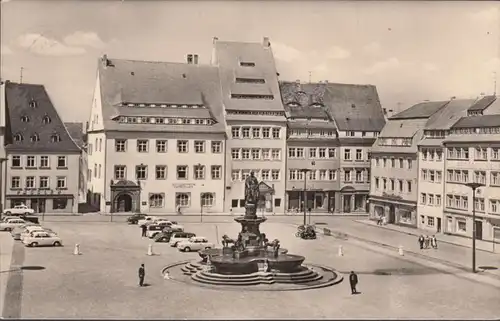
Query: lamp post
[2, 184]
[474, 187]
[305, 171]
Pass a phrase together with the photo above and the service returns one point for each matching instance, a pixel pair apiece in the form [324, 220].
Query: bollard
[167, 275]
[76, 251]
[341, 251]
[400, 250]
[150, 249]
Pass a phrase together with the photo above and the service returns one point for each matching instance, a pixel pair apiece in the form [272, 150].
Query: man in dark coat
[353, 280]
[144, 230]
[142, 275]
[421, 240]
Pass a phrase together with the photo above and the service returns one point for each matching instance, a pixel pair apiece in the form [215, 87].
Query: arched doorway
[124, 203]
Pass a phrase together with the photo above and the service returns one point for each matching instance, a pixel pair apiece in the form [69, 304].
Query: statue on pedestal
[252, 195]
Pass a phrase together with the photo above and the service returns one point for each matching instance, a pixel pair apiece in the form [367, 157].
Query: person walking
[144, 230]
[427, 241]
[421, 241]
[434, 242]
[142, 275]
[353, 280]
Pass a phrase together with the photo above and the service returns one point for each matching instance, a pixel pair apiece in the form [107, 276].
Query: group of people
[425, 241]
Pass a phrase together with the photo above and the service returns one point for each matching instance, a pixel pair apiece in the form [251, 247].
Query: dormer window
[184, 106]
[25, 119]
[35, 138]
[18, 137]
[46, 119]
[32, 103]
[55, 138]
[173, 106]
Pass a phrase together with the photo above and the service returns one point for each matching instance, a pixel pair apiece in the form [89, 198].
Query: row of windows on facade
[235, 203]
[431, 154]
[184, 106]
[349, 175]
[461, 176]
[256, 153]
[480, 130]
[141, 172]
[393, 162]
[400, 187]
[158, 200]
[31, 162]
[430, 199]
[162, 146]
[395, 141]
[165, 120]
[43, 182]
[255, 132]
[480, 153]
[304, 133]
[323, 153]
[57, 203]
[431, 176]
[54, 138]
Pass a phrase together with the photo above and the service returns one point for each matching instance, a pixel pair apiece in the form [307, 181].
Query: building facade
[256, 123]
[3, 155]
[42, 158]
[156, 138]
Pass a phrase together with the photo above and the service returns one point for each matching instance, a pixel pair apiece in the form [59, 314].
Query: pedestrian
[379, 220]
[427, 241]
[142, 275]
[179, 209]
[144, 230]
[434, 242]
[353, 280]
[421, 241]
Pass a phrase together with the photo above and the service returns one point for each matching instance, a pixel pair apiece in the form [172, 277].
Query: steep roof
[229, 57]
[445, 117]
[28, 105]
[148, 82]
[75, 130]
[303, 100]
[483, 103]
[421, 110]
[478, 122]
[400, 128]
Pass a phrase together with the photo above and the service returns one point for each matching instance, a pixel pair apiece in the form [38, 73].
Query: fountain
[251, 259]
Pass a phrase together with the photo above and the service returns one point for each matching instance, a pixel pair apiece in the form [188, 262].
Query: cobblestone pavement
[102, 282]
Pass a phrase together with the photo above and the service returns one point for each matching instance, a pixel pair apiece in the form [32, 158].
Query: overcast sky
[412, 51]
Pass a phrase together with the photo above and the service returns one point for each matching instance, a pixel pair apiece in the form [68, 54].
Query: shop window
[59, 203]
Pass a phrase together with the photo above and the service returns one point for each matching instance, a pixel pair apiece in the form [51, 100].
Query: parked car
[195, 243]
[179, 237]
[29, 230]
[16, 232]
[18, 210]
[31, 218]
[11, 223]
[165, 235]
[5, 218]
[134, 219]
[153, 229]
[146, 221]
[42, 239]
[172, 224]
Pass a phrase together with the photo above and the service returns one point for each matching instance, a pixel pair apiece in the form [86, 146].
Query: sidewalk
[443, 238]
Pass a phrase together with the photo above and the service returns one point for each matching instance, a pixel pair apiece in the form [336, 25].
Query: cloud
[81, 38]
[429, 67]
[338, 53]
[5, 50]
[4, 1]
[373, 48]
[492, 64]
[382, 66]
[487, 15]
[41, 45]
[286, 53]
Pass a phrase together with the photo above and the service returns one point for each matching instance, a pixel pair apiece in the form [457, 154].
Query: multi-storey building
[156, 137]
[312, 148]
[431, 163]
[3, 155]
[473, 155]
[256, 122]
[75, 130]
[42, 158]
[359, 118]
[393, 191]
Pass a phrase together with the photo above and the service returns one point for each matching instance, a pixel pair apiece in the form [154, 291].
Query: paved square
[102, 282]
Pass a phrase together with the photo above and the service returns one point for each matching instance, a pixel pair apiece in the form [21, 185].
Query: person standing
[421, 241]
[353, 280]
[427, 241]
[142, 275]
[144, 230]
[434, 242]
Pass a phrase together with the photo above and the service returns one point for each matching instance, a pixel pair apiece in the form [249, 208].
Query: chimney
[105, 60]
[190, 59]
[214, 40]
[326, 81]
[266, 42]
[195, 59]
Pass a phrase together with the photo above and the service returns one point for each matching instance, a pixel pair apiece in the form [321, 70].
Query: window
[245, 132]
[235, 132]
[44, 162]
[276, 154]
[332, 175]
[235, 175]
[431, 199]
[182, 199]
[18, 137]
[245, 174]
[332, 153]
[234, 203]
[120, 145]
[359, 154]
[266, 132]
[142, 146]
[266, 175]
[245, 153]
[430, 221]
[480, 177]
[275, 174]
[255, 153]
[207, 199]
[392, 184]
[400, 182]
[384, 180]
[312, 175]
[182, 146]
[30, 182]
[377, 183]
[322, 152]
[438, 200]
[409, 186]
[35, 138]
[15, 182]
[16, 161]
[495, 155]
[141, 172]
[44, 182]
[423, 198]
[359, 176]
[292, 152]
[312, 152]
[409, 163]
[31, 161]
[61, 182]
[347, 154]
[161, 147]
[266, 153]
[393, 163]
[59, 203]
[247, 64]
[156, 200]
[120, 172]
[350, 134]
[61, 162]
[479, 204]
[182, 172]
[276, 133]
[461, 226]
[347, 175]
[256, 132]
[480, 153]
[216, 147]
[199, 146]
[199, 172]
[235, 153]
[161, 171]
[46, 119]
[494, 205]
[216, 171]
[495, 178]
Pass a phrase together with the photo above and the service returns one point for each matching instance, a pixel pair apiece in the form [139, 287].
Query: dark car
[134, 219]
[31, 218]
[165, 235]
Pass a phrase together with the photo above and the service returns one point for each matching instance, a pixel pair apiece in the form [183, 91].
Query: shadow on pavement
[399, 272]
[487, 267]
[32, 268]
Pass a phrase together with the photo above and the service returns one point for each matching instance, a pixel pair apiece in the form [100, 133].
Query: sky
[412, 51]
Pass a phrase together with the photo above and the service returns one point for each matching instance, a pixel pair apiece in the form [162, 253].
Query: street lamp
[305, 171]
[474, 187]
[2, 184]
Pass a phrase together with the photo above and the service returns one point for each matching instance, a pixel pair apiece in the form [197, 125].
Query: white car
[42, 239]
[179, 237]
[32, 229]
[19, 210]
[195, 243]
[5, 218]
[11, 223]
[173, 225]
[146, 221]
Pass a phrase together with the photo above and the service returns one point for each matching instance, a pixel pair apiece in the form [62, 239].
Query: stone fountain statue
[252, 196]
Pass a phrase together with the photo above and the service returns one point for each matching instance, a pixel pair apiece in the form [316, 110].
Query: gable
[96, 122]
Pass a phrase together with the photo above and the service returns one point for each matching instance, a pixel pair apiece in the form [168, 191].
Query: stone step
[202, 279]
[300, 281]
[229, 278]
